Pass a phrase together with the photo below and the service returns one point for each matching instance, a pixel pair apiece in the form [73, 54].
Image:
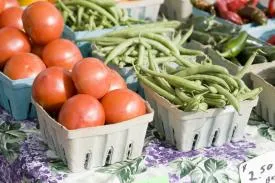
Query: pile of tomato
[79, 92]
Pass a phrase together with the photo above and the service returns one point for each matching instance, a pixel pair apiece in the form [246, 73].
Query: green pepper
[235, 45]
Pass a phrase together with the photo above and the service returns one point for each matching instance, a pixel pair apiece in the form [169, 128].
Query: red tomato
[62, 53]
[117, 82]
[2, 5]
[37, 50]
[12, 17]
[81, 111]
[11, 3]
[24, 65]
[42, 22]
[91, 77]
[52, 87]
[121, 105]
[12, 41]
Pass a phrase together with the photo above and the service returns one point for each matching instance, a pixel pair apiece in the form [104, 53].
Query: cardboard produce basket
[195, 130]
[86, 148]
[177, 9]
[15, 97]
[266, 105]
[142, 9]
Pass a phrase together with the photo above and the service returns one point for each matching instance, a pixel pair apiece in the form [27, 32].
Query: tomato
[43, 22]
[62, 53]
[24, 65]
[37, 50]
[52, 87]
[2, 5]
[91, 77]
[12, 17]
[121, 105]
[117, 82]
[11, 3]
[12, 42]
[81, 111]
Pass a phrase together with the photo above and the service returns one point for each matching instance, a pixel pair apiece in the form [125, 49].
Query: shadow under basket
[15, 97]
[195, 130]
[87, 148]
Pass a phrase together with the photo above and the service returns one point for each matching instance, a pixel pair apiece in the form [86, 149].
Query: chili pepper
[271, 40]
[235, 45]
[254, 14]
[236, 5]
[271, 10]
[226, 14]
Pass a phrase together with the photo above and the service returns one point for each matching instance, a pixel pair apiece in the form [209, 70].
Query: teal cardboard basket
[15, 97]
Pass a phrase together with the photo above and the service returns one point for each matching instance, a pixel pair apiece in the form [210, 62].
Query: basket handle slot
[195, 140]
[233, 132]
[88, 160]
[215, 137]
[109, 156]
[29, 110]
[174, 137]
[9, 106]
[130, 150]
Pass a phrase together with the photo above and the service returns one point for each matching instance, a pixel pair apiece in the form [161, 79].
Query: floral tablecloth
[24, 157]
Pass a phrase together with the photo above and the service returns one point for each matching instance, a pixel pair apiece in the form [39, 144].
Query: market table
[26, 158]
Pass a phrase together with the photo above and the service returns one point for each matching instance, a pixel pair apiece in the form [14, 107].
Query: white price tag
[259, 170]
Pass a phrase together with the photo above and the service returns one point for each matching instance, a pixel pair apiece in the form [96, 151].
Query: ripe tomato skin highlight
[121, 105]
[61, 52]
[2, 5]
[117, 82]
[37, 50]
[12, 17]
[91, 77]
[24, 65]
[12, 42]
[11, 3]
[43, 22]
[81, 111]
[52, 87]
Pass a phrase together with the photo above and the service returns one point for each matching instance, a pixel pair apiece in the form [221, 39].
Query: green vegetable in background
[235, 45]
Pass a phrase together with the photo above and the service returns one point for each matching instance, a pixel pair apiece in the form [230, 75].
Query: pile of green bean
[130, 45]
[83, 15]
[198, 87]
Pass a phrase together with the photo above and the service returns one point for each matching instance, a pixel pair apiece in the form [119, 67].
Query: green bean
[132, 48]
[80, 12]
[176, 81]
[250, 95]
[212, 89]
[177, 39]
[245, 69]
[114, 12]
[157, 45]
[92, 23]
[115, 40]
[120, 49]
[182, 96]
[208, 78]
[241, 84]
[231, 99]
[161, 81]
[145, 44]
[93, 6]
[107, 48]
[186, 36]
[159, 90]
[200, 69]
[166, 42]
[203, 106]
[229, 80]
[214, 96]
[192, 105]
[141, 54]
[220, 103]
[70, 13]
[235, 92]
